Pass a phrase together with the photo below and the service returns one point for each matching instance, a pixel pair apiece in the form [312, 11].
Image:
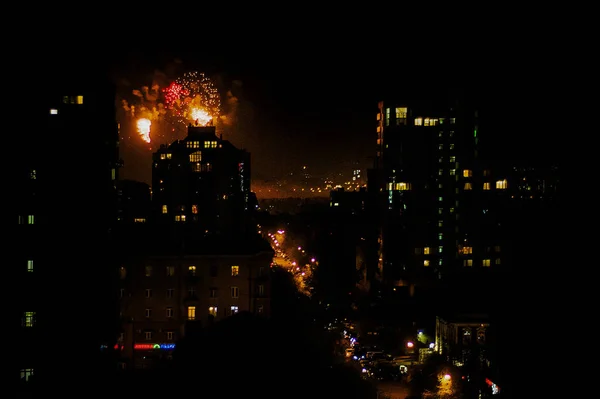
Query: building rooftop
[146, 240]
[466, 318]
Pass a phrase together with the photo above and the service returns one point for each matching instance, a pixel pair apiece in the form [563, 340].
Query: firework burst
[191, 98]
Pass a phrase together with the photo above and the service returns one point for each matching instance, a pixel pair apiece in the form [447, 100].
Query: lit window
[192, 270]
[426, 250]
[30, 219]
[210, 144]
[180, 218]
[194, 209]
[402, 186]
[30, 265]
[196, 156]
[26, 374]
[193, 144]
[497, 261]
[113, 174]
[502, 184]
[170, 271]
[235, 292]
[485, 262]
[122, 272]
[468, 262]
[79, 100]
[53, 111]
[466, 250]
[164, 209]
[486, 186]
[261, 290]
[191, 313]
[32, 174]
[234, 309]
[467, 173]
[28, 319]
[426, 262]
[468, 186]
[418, 121]
[212, 310]
[235, 270]
[497, 248]
[401, 114]
[452, 172]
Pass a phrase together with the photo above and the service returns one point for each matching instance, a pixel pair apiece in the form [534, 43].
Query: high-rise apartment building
[204, 181]
[434, 192]
[67, 165]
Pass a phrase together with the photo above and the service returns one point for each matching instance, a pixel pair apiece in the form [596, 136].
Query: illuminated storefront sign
[146, 347]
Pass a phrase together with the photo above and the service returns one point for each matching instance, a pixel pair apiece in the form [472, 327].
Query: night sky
[308, 89]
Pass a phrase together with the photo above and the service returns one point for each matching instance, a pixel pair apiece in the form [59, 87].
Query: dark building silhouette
[134, 201]
[66, 207]
[198, 258]
[169, 287]
[433, 190]
[202, 180]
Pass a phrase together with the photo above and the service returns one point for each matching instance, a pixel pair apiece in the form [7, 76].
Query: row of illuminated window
[401, 115]
[464, 250]
[29, 219]
[166, 155]
[214, 311]
[194, 208]
[73, 100]
[196, 144]
[419, 121]
[399, 186]
[201, 167]
[466, 262]
[191, 270]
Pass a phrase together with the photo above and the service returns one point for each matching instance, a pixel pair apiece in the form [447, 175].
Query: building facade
[162, 296]
[66, 207]
[465, 341]
[433, 192]
[202, 180]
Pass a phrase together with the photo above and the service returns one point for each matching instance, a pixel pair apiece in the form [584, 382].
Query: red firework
[173, 93]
